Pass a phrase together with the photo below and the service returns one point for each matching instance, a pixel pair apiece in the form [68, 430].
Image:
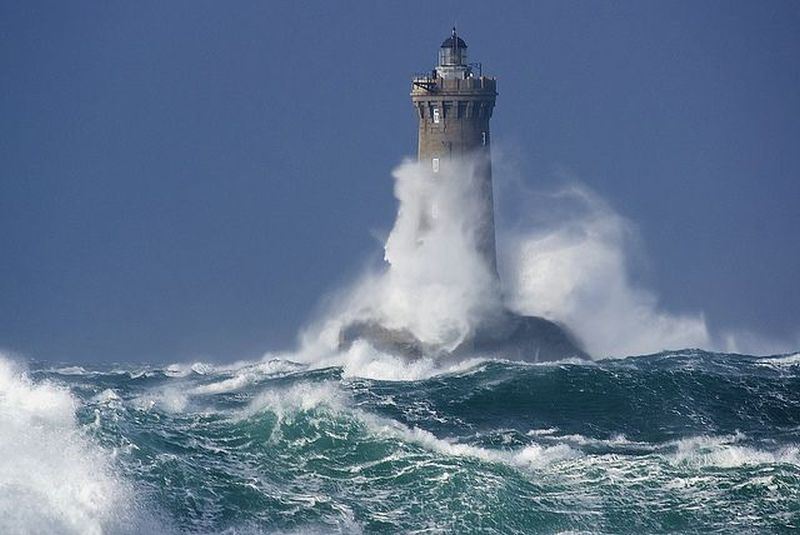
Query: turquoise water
[676, 442]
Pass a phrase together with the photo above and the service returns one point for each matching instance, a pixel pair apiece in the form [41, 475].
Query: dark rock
[511, 336]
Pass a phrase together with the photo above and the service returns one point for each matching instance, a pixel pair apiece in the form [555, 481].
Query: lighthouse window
[435, 163]
[436, 115]
[483, 138]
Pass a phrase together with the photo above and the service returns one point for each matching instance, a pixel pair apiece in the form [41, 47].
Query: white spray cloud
[53, 479]
[439, 286]
[563, 254]
[435, 284]
[567, 258]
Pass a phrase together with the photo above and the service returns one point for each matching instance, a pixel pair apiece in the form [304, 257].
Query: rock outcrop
[511, 336]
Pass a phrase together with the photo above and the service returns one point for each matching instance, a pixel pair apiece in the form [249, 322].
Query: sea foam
[53, 479]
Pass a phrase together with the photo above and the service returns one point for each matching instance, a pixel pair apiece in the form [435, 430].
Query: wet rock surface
[510, 336]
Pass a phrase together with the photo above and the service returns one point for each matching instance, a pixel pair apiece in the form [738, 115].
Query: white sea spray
[53, 479]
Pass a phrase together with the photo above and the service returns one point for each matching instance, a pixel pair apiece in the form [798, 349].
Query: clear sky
[187, 179]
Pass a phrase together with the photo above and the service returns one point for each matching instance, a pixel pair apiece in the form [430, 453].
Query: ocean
[676, 442]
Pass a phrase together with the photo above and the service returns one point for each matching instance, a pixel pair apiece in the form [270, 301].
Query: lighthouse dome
[454, 41]
[453, 53]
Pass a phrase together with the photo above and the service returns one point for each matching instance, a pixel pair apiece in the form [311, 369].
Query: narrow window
[483, 138]
[435, 163]
[436, 115]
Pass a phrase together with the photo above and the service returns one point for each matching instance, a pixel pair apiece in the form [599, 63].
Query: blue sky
[187, 179]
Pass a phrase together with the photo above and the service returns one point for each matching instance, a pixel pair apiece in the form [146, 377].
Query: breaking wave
[53, 477]
[673, 442]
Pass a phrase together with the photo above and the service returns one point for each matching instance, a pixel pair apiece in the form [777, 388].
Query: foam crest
[537, 456]
[107, 397]
[783, 361]
[362, 360]
[299, 397]
[71, 370]
[615, 441]
[184, 370]
[724, 452]
[246, 374]
[171, 399]
[534, 456]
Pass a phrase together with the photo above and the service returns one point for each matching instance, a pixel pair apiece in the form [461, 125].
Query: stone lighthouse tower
[454, 103]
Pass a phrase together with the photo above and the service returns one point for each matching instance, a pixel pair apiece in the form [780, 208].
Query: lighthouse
[454, 103]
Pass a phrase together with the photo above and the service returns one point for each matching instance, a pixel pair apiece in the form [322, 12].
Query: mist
[567, 257]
